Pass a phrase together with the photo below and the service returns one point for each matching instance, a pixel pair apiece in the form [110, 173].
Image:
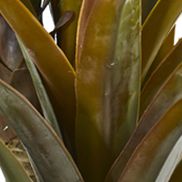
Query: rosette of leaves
[108, 80]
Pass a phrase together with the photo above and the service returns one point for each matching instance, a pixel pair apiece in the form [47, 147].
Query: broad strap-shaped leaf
[149, 156]
[40, 90]
[160, 75]
[10, 53]
[46, 149]
[107, 82]
[67, 36]
[12, 69]
[168, 96]
[164, 51]
[171, 162]
[49, 59]
[12, 168]
[147, 6]
[156, 29]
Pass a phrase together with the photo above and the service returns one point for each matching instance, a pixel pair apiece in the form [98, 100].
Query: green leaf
[45, 148]
[168, 95]
[49, 59]
[156, 28]
[150, 154]
[40, 90]
[164, 51]
[12, 168]
[108, 69]
[147, 6]
[161, 75]
[67, 36]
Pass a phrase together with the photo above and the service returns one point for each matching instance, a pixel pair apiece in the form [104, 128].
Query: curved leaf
[151, 152]
[160, 75]
[168, 96]
[156, 28]
[40, 90]
[15, 146]
[171, 162]
[164, 51]
[108, 69]
[67, 36]
[147, 6]
[45, 148]
[12, 168]
[49, 59]
[10, 53]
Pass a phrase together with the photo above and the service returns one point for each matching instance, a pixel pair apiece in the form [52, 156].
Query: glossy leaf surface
[107, 54]
[161, 74]
[46, 55]
[163, 17]
[10, 53]
[40, 90]
[67, 35]
[157, 143]
[164, 51]
[38, 137]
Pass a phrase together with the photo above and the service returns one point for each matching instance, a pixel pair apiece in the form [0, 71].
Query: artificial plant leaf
[15, 146]
[172, 161]
[147, 6]
[12, 168]
[156, 29]
[49, 59]
[21, 81]
[108, 69]
[28, 4]
[12, 69]
[160, 75]
[149, 156]
[40, 90]
[45, 148]
[10, 52]
[13, 143]
[6, 133]
[37, 5]
[63, 20]
[5, 73]
[67, 36]
[165, 49]
[167, 97]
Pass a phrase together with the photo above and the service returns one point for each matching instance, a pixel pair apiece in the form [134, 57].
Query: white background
[48, 24]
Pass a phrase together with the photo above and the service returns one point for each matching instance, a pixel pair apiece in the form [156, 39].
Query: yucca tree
[104, 90]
